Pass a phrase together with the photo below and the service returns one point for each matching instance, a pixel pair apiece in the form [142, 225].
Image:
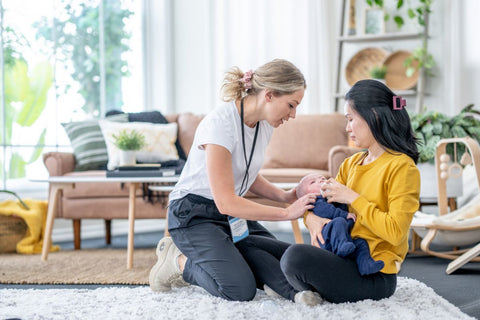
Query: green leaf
[38, 150]
[399, 21]
[411, 13]
[409, 71]
[41, 81]
[437, 128]
[17, 82]
[399, 4]
[458, 132]
[17, 166]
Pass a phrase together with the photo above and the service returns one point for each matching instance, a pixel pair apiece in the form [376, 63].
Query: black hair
[390, 127]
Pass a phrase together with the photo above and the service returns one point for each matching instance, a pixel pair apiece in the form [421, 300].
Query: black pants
[336, 279]
[225, 269]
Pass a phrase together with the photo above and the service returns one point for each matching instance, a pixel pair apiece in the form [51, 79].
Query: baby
[337, 232]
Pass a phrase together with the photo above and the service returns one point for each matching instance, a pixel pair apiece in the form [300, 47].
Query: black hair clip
[398, 103]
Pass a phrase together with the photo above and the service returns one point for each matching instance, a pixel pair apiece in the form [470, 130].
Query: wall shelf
[343, 39]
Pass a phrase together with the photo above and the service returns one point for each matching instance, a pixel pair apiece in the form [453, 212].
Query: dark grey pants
[225, 269]
[336, 279]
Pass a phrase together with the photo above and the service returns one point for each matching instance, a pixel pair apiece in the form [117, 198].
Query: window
[63, 60]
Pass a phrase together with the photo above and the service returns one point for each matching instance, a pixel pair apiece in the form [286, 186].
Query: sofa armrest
[336, 155]
[59, 163]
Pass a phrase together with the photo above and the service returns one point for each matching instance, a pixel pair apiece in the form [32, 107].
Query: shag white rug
[412, 300]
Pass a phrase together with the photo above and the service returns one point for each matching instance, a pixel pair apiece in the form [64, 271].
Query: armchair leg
[76, 233]
[108, 231]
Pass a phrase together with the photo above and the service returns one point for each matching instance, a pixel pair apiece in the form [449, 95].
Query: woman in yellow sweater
[380, 185]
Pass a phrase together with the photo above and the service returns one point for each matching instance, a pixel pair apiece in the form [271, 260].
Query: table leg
[297, 234]
[131, 223]
[52, 207]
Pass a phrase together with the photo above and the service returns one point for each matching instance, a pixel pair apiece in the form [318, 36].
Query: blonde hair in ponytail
[280, 76]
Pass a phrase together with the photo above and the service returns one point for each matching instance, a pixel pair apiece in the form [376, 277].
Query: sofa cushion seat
[289, 174]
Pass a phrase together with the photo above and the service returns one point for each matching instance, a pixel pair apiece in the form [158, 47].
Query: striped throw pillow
[88, 144]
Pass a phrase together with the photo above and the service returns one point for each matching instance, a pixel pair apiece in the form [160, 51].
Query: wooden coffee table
[58, 183]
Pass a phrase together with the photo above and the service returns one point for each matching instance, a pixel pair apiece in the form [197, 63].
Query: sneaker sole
[167, 245]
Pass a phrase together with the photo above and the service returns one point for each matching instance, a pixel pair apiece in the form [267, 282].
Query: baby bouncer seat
[458, 228]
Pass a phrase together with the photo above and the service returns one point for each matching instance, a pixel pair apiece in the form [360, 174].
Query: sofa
[309, 143]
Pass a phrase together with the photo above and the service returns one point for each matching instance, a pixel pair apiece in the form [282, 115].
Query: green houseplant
[128, 141]
[431, 126]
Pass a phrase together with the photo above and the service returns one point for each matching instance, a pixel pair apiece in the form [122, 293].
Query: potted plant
[128, 141]
[378, 73]
[432, 126]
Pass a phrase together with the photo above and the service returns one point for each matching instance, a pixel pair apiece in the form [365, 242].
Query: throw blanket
[35, 218]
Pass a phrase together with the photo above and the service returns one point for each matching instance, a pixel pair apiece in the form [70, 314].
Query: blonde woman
[216, 242]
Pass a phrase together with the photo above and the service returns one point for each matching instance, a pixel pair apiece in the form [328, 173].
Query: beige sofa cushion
[304, 142]
[289, 174]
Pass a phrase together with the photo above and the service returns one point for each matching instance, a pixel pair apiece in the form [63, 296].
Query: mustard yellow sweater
[389, 189]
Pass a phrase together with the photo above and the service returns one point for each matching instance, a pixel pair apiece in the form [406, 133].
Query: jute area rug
[86, 266]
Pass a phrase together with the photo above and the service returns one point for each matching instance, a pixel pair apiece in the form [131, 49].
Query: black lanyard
[247, 163]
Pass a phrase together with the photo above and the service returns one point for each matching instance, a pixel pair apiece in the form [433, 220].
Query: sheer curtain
[191, 43]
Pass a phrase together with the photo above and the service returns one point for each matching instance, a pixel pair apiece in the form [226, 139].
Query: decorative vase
[428, 186]
[127, 158]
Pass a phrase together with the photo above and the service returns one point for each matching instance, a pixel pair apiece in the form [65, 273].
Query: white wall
[197, 66]
[210, 36]
[468, 76]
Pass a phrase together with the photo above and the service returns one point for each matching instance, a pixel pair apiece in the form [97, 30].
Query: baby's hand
[352, 216]
[324, 187]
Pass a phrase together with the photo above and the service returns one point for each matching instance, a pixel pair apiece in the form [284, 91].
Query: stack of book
[144, 170]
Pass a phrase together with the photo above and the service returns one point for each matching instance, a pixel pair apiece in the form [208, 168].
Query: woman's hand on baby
[302, 204]
[315, 226]
[334, 191]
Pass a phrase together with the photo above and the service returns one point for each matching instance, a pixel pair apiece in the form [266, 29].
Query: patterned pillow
[153, 117]
[160, 141]
[88, 144]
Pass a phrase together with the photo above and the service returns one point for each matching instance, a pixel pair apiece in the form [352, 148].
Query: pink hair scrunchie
[247, 80]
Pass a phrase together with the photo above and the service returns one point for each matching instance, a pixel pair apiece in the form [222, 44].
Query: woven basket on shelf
[361, 63]
[396, 77]
[12, 230]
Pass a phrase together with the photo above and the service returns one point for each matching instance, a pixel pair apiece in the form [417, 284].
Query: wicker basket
[396, 77]
[12, 230]
[359, 66]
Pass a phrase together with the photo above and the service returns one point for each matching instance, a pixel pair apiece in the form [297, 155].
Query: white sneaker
[270, 292]
[166, 273]
[308, 298]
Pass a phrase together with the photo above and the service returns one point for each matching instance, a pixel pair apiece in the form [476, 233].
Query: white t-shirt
[222, 127]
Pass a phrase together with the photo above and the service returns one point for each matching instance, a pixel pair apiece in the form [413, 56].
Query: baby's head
[311, 183]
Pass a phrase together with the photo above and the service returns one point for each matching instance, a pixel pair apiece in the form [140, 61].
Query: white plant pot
[127, 158]
[428, 186]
